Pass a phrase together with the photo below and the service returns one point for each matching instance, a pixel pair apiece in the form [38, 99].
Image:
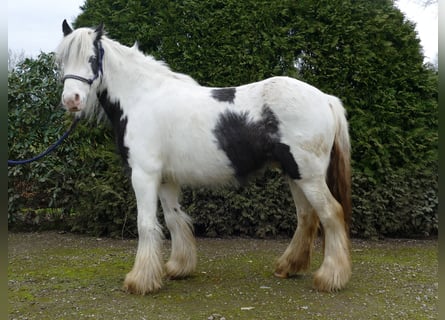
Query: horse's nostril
[76, 97]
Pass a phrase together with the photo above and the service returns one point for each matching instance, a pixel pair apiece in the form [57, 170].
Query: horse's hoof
[330, 279]
[135, 285]
[138, 290]
[281, 275]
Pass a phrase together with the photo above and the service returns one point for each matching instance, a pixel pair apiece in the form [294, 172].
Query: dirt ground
[66, 276]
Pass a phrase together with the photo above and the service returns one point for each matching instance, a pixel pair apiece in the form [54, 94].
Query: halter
[100, 71]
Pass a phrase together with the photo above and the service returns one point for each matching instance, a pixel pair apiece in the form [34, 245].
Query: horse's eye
[92, 59]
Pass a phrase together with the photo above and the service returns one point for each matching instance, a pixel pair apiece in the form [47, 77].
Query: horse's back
[201, 131]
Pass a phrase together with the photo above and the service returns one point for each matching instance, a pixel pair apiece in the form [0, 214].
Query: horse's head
[80, 57]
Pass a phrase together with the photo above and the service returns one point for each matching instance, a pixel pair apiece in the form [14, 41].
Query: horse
[172, 132]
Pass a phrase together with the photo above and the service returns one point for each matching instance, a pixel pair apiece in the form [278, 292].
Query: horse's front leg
[182, 260]
[146, 275]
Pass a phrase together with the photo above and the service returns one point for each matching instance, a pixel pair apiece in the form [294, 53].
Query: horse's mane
[74, 47]
[143, 61]
[77, 47]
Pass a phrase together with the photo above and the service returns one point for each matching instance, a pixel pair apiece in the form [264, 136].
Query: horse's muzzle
[72, 102]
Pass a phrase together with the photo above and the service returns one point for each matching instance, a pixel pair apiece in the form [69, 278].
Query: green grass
[52, 276]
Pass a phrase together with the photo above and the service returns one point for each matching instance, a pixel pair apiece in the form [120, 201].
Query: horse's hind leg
[297, 256]
[335, 270]
[182, 260]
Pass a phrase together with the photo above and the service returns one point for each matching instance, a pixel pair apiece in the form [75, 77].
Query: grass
[54, 276]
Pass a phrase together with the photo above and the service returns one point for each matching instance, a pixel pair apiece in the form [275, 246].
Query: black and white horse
[171, 131]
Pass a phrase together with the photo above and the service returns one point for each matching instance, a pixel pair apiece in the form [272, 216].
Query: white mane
[144, 63]
[77, 47]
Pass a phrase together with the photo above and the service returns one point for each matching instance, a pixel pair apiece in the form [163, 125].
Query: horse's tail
[338, 176]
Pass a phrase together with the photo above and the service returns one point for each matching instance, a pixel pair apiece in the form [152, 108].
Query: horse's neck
[131, 61]
[127, 68]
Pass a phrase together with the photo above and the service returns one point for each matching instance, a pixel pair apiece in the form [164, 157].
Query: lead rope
[49, 150]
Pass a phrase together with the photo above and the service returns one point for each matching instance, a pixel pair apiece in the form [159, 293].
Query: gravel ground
[66, 276]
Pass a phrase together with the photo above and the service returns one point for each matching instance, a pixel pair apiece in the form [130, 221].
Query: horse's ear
[99, 30]
[66, 28]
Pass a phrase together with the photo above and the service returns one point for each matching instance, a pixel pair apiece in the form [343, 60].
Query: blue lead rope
[49, 150]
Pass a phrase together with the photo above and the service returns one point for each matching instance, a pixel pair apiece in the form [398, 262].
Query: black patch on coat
[250, 144]
[114, 113]
[224, 94]
[283, 155]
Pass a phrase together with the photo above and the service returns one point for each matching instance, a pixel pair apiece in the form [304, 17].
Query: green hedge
[83, 187]
[364, 52]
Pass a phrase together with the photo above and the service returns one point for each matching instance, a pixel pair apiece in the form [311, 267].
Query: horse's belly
[198, 166]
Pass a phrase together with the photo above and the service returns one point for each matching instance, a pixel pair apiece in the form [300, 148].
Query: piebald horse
[171, 131]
